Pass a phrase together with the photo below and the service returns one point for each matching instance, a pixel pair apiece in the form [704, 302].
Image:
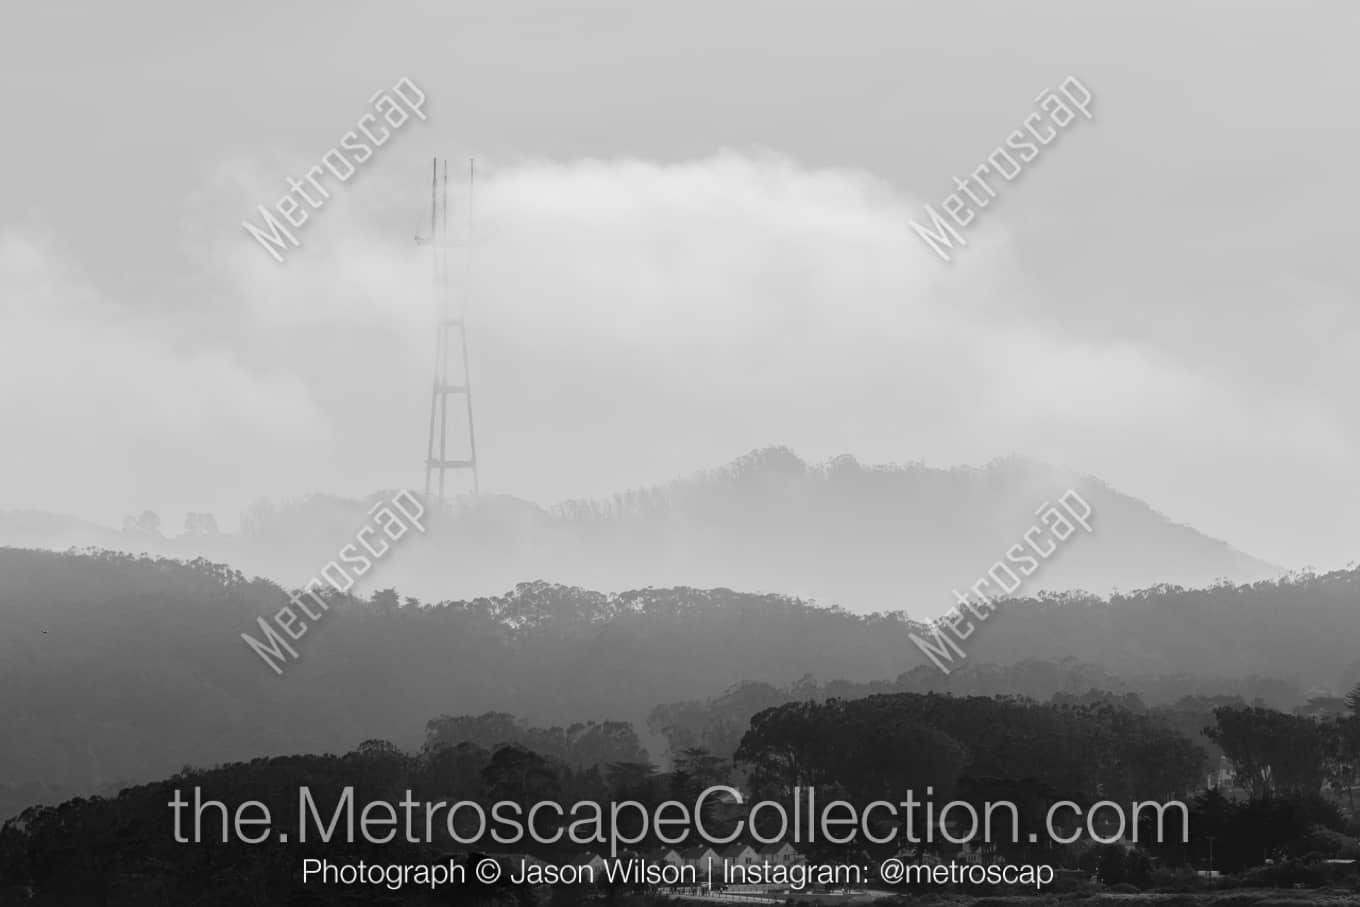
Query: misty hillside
[114, 667]
[867, 538]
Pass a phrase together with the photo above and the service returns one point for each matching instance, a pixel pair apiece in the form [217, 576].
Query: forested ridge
[1279, 832]
[117, 668]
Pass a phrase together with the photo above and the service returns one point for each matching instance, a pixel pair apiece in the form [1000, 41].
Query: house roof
[514, 862]
[660, 853]
[698, 850]
[734, 849]
[777, 847]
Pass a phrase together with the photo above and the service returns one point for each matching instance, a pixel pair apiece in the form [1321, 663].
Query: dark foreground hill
[144, 846]
[116, 668]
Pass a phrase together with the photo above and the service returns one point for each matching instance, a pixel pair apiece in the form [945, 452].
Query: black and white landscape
[548, 404]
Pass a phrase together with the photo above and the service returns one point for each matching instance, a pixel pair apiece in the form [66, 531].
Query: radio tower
[437, 461]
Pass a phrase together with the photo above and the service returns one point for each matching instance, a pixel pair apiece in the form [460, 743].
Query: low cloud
[629, 321]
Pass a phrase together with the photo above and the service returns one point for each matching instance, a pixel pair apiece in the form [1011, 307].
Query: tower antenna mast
[437, 460]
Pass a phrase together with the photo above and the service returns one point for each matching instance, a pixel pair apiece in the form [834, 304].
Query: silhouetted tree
[519, 775]
[1271, 752]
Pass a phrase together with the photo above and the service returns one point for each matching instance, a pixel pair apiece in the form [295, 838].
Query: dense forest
[1283, 827]
[119, 669]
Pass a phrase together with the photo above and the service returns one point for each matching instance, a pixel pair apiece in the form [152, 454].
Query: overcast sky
[697, 242]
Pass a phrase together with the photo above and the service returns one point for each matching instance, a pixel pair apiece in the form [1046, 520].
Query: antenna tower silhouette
[450, 379]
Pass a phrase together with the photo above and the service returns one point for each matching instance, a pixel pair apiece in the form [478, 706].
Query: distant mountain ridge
[869, 538]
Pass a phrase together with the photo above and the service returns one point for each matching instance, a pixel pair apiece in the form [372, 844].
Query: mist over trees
[116, 668]
[980, 750]
[864, 537]
[583, 744]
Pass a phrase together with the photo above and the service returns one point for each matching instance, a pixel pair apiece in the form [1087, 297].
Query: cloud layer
[631, 321]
